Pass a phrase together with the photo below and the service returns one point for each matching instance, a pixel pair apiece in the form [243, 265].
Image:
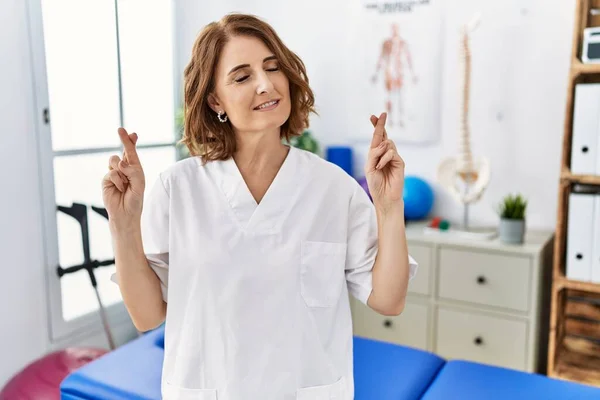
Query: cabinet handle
[387, 323]
[478, 340]
[481, 280]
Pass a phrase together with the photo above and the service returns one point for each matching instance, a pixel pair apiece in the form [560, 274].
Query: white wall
[520, 68]
[22, 290]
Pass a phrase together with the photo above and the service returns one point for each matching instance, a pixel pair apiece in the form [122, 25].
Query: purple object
[363, 183]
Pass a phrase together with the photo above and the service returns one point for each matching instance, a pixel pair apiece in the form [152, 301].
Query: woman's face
[250, 88]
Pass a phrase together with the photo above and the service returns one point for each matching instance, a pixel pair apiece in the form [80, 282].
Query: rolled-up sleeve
[363, 246]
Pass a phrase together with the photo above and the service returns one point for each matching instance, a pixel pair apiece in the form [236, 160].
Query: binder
[585, 158]
[596, 242]
[580, 236]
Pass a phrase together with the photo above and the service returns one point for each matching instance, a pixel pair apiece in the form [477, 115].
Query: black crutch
[79, 212]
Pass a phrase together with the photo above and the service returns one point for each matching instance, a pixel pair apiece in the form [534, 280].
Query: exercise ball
[41, 379]
[418, 198]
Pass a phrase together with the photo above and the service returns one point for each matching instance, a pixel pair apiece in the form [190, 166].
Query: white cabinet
[482, 301]
[479, 277]
[481, 337]
[410, 328]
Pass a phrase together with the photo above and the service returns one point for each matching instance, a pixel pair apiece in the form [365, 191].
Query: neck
[259, 151]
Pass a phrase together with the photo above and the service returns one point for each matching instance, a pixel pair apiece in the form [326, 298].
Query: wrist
[390, 210]
[124, 230]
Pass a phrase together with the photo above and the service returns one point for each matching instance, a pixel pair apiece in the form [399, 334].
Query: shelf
[564, 283]
[582, 179]
[576, 361]
[578, 68]
[578, 353]
[574, 334]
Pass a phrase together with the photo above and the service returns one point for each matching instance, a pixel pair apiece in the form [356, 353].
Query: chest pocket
[322, 272]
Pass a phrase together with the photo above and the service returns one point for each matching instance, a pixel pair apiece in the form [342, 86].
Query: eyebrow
[270, 58]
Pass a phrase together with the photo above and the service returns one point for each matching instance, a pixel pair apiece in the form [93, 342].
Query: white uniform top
[257, 295]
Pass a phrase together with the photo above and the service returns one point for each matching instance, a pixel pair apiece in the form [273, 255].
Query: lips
[267, 105]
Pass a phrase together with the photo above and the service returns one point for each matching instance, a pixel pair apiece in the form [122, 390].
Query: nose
[264, 84]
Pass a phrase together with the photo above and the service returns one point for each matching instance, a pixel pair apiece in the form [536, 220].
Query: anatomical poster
[396, 66]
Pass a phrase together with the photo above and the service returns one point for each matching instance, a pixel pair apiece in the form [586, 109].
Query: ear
[213, 103]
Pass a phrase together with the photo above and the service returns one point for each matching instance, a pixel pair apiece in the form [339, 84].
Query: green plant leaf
[513, 207]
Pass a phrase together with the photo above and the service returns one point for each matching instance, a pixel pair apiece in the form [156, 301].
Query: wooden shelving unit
[564, 283]
[574, 329]
[583, 179]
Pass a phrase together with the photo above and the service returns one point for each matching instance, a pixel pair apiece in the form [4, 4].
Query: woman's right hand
[123, 186]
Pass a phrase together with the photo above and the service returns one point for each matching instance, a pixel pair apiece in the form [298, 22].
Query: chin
[272, 121]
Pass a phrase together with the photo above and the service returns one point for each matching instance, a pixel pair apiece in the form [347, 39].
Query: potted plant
[512, 219]
[306, 141]
[182, 151]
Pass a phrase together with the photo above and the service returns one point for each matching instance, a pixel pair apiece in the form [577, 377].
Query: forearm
[139, 285]
[391, 269]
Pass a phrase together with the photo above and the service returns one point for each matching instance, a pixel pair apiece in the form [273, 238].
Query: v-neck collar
[250, 215]
[236, 170]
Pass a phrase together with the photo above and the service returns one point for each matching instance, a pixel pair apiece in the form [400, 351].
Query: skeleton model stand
[464, 176]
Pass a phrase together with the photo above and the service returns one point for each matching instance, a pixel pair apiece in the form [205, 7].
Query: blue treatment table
[382, 371]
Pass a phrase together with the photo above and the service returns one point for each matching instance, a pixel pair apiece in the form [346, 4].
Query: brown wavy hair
[204, 135]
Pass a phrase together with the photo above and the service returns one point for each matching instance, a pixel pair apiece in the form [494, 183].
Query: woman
[254, 246]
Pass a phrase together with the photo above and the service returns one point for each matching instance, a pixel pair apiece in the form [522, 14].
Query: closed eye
[245, 77]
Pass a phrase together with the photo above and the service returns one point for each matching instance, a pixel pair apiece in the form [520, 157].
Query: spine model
[465, 166]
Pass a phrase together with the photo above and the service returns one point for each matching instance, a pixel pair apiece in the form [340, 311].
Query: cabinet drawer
[484, 278]
[423, 255]
[481, 338]
[409, 328]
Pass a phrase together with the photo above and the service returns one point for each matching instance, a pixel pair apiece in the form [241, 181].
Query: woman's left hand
[384, 168]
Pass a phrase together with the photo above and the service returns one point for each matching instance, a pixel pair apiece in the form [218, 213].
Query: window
[101, 65]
